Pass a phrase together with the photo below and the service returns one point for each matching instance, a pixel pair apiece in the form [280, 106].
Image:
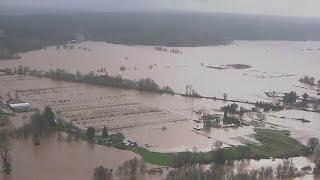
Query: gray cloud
[270, 7]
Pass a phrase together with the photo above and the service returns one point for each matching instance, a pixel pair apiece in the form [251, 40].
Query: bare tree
[278, 171]
[4, 118]
[313, 143]
[101, 173]
[6, 159]
[69, 131]
[216, 145]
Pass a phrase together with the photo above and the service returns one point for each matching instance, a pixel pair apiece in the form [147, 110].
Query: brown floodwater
[276, 66]
[178, 136]
[63, 160]
[299, 130]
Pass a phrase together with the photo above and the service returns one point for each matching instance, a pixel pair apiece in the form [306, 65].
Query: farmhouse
[20, 107]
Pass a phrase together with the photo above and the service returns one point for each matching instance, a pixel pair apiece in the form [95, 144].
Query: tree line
[188, 164]
[131, 169]
[144, 84]
[30, 32]
[286, 169]
[309, 81]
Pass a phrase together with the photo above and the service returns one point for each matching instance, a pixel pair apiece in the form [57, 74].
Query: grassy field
[162, 159]
[275, 144]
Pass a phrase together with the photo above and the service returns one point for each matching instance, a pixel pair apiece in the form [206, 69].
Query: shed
[20, 106]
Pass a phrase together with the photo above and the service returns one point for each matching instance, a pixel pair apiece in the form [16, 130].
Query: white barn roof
[20, 106]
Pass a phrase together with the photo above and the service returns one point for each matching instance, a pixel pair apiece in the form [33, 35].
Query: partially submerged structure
[20, 107]
[199, 126]
[129, 143]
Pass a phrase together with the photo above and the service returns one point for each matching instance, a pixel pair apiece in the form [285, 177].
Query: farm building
[129, 143]
[20, 106]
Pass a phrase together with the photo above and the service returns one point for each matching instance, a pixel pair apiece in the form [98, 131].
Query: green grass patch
[162, 159]
[276, 144]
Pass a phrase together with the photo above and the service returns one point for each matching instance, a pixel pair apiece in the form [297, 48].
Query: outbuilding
[20, 107]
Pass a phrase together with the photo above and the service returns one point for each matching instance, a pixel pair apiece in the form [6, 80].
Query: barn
[20, 107]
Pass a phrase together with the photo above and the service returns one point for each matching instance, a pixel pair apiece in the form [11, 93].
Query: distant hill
[29, 32]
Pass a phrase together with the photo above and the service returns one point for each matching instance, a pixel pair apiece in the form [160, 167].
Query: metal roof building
[20, 106]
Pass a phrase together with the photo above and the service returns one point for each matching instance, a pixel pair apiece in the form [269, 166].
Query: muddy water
[63, 160]
[299, 162]
[270, 61]
[178, 136]
[299, 130]
[267, 58]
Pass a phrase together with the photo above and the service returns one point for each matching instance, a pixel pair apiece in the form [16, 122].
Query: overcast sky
[310, 8]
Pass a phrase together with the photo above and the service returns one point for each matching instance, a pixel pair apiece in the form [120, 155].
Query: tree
[313, 143]
[49, 116]
[316, 170]
[119, 136]
[101, 173]
[132, 167]
[104, 132]
[307, 80]
[90, 133]
[231, 108]
[290, 98]
[305, 99]
[6, 159]
[69, 130]
[37, 127]
[225, 115]
[278, 171]
[216, 145]
[241, 112]
[4, 118]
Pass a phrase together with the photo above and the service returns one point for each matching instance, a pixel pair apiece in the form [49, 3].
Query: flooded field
[140, 116]
[269, 66]
[299, 130]
[162, 123]
[63, 159]
[276, 65]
